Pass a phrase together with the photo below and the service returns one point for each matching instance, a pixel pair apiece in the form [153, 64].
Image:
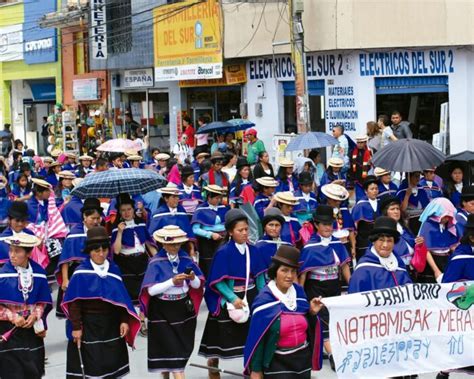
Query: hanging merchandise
[69, 133]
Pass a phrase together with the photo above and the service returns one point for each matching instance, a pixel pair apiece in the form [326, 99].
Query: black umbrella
[408, 155]
[464, 160]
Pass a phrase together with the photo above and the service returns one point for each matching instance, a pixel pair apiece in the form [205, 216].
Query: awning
[315, 88]
[43, 91]
[411, 84]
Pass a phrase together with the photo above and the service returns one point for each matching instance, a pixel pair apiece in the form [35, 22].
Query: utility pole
[298, 57]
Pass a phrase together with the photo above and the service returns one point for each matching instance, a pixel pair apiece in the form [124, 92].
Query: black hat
[186, 172]
[467, 193]
[323, 213]
[384, 225]
[305, 178]
[124, 198]
[18, 210]
[288, 256]
[470, 222]
[242, 162]
[96, 236]
[233, 216]
[371, 179]
[92, 203]
[388, 200]
[272, 214]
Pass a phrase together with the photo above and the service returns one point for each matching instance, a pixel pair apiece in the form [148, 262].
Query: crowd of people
[262, 245]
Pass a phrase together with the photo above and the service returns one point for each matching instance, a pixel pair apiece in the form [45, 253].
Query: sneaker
[331, 363]
[442, 375]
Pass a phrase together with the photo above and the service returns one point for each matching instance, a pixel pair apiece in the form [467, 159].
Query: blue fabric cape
[283, 185]
[194, 195]
[266, 248]
[69, 167]
[162, 217]
[227, 263]
[393, 189]
[292, 224]
[160, 270]
[460, 265]
[51, 179]
[401, 247]
[233, 189]
[461, 220]
[421, 197]
[433, 192]
[73, 249]
[18, 192]
[89, 286]
[113, 204]
[456, 199]
[346, 218]
[264, 315]
[128, 235]
[368, 278]
[4, 247]
[39, 294]
[196, 169]
[37, 212]
[363, 211]
[305, 206]
[260, 203]
[434, 239]
[205, 216]
[71, 212]
[314, 256]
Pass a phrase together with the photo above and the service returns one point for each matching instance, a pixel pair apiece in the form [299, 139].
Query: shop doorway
[418, 99]
[223, 101]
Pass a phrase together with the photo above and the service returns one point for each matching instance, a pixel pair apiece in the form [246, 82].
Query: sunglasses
[98, 246]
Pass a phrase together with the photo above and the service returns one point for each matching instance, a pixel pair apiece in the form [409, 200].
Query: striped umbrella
[110, 183]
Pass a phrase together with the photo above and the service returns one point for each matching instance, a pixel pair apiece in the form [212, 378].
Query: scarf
[212, 178]
[390, 263]
[288, 298]
[102, 269]
[25, 280]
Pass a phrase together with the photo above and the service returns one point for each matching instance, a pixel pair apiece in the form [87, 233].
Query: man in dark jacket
[401, 129]
[6, 137]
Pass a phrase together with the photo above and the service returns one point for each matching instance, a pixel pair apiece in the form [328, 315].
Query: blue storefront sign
[40, 45]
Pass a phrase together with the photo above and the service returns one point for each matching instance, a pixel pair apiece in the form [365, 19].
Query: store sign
[188, 41]
[233, 74]
[11, 43]
[40, 45]
[138, 78]
[403, 330]
[98, 29]
[85, 89]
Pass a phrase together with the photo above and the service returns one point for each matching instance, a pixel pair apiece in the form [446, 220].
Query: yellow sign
[188, 40]
[233, 74]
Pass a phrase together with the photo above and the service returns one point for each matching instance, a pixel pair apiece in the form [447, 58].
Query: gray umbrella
[408, 155]
[311, 140]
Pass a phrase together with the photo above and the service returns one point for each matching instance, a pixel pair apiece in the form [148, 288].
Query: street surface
[56, 352]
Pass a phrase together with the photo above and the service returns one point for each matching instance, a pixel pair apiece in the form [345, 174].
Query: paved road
[56, 353]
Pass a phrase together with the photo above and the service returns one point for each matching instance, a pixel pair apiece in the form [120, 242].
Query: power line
[255, 30]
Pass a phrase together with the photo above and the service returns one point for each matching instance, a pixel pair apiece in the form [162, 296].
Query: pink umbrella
[119, 145]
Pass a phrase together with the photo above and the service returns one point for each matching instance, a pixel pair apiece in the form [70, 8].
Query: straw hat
[335, 192]
[362, 138]
[335, 162]
[286, 198]
[48, 160]
[267, 181]
[170, 189]
[379, 171]
[202, 155]
[214, 188]
[54, 164]
[129, 153]
[66, 175]
[285, 162]
[162, 157]
[56, 153]
[71, 155]
[85, 158]
[170, 234]
[134, 158]
[22, 240]
[41, 183]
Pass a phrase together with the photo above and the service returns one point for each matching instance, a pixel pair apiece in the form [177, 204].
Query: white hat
[162, 157]
[335, 162]
[267, 181]
[170, 234]
[286, 198]
[170, 189]
[362, 138]
[22, 240]
[85, 158]
[379, 171]
[335, 192]
[214, 188]
[41, 183]
[66, 175]
[48, 159]
[285, 162]
[134, 158]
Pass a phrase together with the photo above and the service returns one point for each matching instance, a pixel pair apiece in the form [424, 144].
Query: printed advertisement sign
[188, 41]
[11, 43]
[404, 330]
[98, 29]
[142, 78]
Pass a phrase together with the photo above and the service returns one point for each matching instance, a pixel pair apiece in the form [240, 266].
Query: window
[119, 26]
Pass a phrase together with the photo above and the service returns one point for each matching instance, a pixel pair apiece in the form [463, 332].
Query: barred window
[119, 26]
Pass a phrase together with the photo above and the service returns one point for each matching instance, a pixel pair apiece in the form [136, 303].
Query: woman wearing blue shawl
[25, 301]
[189, 193]
[101, 312]
[306, 197]
[229, 294]
[265, 189]
[170, 297]
[283, 342]
[439, 231]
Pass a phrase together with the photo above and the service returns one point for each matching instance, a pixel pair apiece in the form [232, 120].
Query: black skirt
[104, 352]
[133, 269]
[327, 288]
[173, 322]
[362, 238]
[427, 276]
[22, 356]
[207, 249]
[59, 300]
[223, 338]
[290, 365]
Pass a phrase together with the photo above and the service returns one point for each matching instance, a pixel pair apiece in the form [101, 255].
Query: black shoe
[331, 363]
[442, 375]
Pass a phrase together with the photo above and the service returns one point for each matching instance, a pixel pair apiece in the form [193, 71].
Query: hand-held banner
[404, 330]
